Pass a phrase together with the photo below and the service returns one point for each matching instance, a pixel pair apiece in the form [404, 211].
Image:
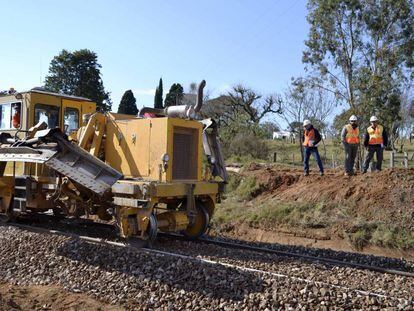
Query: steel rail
[227, 244]
[197, 259]
[310, 258]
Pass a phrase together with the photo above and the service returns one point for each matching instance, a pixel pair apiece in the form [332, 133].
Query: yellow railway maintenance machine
[161, 170]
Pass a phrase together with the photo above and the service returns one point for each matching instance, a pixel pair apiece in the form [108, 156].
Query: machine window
[48, 114]
[71, 120]
[10, 116]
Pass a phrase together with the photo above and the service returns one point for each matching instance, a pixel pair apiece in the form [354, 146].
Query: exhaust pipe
[199, 102]
[180, 111]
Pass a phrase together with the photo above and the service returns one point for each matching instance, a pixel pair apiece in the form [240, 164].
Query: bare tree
[241, 103]
[241, 98]
[406, 124]
[302, 101]
[192, 88]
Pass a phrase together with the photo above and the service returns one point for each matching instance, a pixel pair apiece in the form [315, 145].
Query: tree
[158, 96]
[270, 127]
[192, 88]
[245, 100]
[78, 73]
[174, 96]
[362, 52]
[303, 101]
[128, 104]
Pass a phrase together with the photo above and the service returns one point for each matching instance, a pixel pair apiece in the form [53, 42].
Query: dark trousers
[351, 151]
[374, 149]
[308, 151]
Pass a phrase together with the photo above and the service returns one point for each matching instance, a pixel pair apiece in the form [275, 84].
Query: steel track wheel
[149, 236]
[151, 232]
[6, 210]
[200, 225]
[5, 218]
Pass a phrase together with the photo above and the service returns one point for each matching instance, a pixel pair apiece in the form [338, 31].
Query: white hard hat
[353, 118]
[306, 122]
[373, 119]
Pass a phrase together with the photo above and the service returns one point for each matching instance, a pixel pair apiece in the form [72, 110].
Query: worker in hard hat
[311, 139]
[375, 140]
[350, 139]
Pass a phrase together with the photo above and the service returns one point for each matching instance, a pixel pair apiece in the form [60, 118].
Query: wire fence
[335, 160]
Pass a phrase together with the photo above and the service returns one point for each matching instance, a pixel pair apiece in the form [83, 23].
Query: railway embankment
[371, 213]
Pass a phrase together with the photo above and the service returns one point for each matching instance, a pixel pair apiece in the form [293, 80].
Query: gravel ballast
[137, 279]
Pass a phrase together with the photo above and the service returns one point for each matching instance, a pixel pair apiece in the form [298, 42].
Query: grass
[380, 234]
[239, 207]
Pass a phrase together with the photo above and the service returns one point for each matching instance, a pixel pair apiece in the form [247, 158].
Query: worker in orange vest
[375, 140]
[350, 139]
[16, 116]
[311, 139]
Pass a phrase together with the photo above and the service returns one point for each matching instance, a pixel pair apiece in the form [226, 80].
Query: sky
[256, 43]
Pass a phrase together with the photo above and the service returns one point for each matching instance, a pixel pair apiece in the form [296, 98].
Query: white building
[283, 135]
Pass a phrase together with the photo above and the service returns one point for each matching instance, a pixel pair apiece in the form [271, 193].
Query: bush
[247, 189]
[246, 144]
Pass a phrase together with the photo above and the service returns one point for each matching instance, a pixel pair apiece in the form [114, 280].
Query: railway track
[224, 244]
[308, 258]
[221, 243]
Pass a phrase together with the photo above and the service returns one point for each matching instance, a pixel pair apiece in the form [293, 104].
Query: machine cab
[21, 111]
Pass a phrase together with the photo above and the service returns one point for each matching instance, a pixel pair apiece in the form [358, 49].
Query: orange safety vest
[309, 137]
[375, 135]
[16, 120]
[352, 135]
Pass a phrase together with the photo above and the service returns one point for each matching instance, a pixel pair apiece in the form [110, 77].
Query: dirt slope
[370, 209]
[384, 196]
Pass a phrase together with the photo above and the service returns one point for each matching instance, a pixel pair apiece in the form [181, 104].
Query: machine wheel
[7, 215]
[150, 234]
[200, 225]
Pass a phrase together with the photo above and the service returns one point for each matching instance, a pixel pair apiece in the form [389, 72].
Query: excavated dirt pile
[381, 196]
[373, 209]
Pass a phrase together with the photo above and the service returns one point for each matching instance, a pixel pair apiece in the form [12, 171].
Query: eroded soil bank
[370, 213]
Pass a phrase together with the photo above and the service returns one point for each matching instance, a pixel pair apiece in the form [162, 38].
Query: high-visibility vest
[16, 120]
[309, 137]
[352, 134]
[375, 135]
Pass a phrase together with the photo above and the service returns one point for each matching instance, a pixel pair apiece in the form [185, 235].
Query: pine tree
[78, 73]
[158, 96]
[174, 96]
[128, 104]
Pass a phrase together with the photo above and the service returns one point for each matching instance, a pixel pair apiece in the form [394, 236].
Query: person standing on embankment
[375, 140]
[350, 139]
[311, 139]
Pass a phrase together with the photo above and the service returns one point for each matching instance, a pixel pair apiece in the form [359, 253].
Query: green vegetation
[239, 206]
[128, 104]
[174, 96]
[158, 96]
[78, 73]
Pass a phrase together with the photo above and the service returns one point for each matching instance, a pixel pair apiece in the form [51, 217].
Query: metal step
[19, 204]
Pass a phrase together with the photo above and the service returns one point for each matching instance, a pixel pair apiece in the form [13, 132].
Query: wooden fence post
[405, 159]
[333, 160]
[392, 159]
[274, 157]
